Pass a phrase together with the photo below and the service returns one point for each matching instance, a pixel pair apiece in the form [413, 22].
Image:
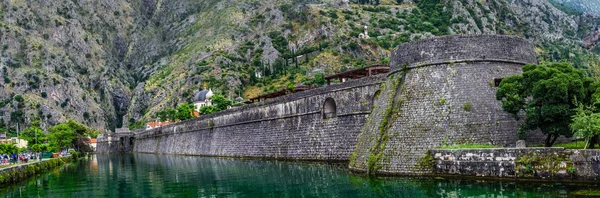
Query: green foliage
[61, 137]
[207, 110]
[317, 80]
[547, 93]
[18, 98]
[8, 148]
[136, 125]
[435, 16]
[469, 146]
[69, 135]
[185, 111]
[36, 148]
[291, 86]
[586, 123]
[74, 154]
[467, 106]
[44, 94]
[17, 116]
[220, 102]
[565, 8]
[33, 134]
[167, 115]
[280, 43]
[332, 14]
[572, 145]
[511, 93]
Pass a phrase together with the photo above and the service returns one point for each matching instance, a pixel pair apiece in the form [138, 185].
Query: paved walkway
[20, 164]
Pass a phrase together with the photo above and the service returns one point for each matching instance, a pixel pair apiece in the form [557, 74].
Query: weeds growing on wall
[17, 174]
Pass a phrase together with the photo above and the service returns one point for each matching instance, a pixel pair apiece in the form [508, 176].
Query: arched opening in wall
[329, 108]
[121, 142]
[131, 140]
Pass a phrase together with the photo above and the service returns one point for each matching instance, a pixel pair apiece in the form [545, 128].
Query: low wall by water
[22, 171]
[534, 163]
[319, 124]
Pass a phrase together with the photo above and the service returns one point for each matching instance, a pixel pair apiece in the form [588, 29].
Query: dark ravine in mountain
[108, 63]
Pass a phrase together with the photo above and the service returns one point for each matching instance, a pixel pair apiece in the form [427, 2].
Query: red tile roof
[157, 124]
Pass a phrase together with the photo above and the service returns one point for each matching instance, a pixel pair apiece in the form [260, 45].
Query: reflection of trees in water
[144, 175]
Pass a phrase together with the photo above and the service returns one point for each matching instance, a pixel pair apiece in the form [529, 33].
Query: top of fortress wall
[457, 48]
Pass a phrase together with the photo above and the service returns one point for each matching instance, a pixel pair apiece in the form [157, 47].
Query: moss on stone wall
[531, 164]
[426, 163]
[19, 173]
[376, 151]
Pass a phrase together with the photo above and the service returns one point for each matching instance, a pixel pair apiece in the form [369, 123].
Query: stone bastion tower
[440, 91]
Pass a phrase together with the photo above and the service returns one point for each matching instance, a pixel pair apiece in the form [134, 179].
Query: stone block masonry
[531, 163]
[291, 127]
[441, 91]
[20, 172]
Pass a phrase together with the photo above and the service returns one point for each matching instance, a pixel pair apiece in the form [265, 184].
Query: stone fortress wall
[289, 127]
[441, 91]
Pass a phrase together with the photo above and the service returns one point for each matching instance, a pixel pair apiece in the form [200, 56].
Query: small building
[202, 99]
[92, 143]
[153, 125]
[239, 99]
[20, 143]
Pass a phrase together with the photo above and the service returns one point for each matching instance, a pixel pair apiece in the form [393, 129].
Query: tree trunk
[547, 144]
[553, 140]
[595, 140]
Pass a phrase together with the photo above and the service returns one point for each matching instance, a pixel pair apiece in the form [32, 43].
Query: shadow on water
[146, 175]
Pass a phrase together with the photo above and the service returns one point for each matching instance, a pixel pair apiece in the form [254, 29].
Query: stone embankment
[318, 124]
[21, 172]
[529, 163]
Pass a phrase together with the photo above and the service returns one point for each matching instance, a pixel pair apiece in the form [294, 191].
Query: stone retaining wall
[289, 127]
[23, 171]
[536, 163]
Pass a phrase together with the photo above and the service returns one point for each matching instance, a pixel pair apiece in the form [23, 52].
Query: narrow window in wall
[329, 108]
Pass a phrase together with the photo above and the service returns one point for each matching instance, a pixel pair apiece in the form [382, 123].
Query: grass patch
[571, 145]
[469, 146]
[586, 193]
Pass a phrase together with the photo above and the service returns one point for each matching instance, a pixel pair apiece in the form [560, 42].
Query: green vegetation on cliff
[108, 64]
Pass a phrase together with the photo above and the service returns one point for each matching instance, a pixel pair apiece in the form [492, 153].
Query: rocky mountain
[591, 6]
[110, 63]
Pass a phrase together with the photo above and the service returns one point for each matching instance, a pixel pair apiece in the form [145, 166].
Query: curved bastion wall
[299, 126]
[441, 91]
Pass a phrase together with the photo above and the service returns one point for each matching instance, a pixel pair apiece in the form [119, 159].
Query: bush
[18, 98]
[44, 94]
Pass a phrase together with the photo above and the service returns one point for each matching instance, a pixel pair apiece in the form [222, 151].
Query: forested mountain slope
[108, 63]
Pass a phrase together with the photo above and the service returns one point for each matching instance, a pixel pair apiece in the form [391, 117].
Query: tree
[586, 124]
[34, 134]
[207, 110]
[220, 102]
[8, 148]
[547, 93]
[185, 111]
[61, 137]
[166, 115]
[69, 134]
